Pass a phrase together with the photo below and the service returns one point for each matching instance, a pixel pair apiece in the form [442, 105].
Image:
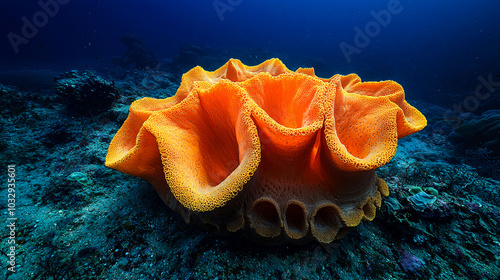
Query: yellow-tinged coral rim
[191, 188]
[352, 114]
[387, 105]
[315, 104]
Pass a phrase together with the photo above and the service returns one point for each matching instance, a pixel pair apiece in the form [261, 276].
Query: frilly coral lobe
[282, 155]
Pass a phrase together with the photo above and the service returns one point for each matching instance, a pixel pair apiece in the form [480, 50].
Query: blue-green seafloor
[77, 219]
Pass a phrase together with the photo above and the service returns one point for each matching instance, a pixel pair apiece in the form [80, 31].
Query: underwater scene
[237, 139]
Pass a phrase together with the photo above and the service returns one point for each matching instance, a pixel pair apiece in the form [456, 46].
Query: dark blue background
[430, 47]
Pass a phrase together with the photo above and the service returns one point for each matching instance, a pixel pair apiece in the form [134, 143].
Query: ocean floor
[77, 219]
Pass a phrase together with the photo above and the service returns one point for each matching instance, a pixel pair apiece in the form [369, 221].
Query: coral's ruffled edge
[134, 149]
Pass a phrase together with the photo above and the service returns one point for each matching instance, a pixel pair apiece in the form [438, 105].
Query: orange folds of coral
[276, 154]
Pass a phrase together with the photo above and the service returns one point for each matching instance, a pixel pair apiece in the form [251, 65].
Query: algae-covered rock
[483, 130]
[422, 200]
[79, 177]
[137, 54]
[85, 93]
[11, 100]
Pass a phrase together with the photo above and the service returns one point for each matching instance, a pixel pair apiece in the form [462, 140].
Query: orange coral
[280, 154]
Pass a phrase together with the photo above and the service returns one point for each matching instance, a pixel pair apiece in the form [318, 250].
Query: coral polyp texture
[275, 154]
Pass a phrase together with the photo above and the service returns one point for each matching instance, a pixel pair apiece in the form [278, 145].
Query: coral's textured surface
[108, 225]
[281, 155]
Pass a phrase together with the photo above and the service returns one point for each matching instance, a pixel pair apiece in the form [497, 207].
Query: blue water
[428, 46]
[446, 55]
